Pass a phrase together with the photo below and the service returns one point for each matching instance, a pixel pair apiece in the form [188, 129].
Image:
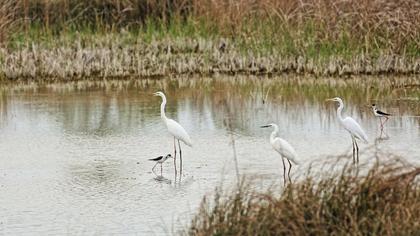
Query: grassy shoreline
[383, 200]
[123, 56]
[160, 38]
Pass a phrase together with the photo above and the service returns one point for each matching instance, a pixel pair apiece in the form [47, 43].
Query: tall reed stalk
[366, 24]
[8, 9]
[383, 201]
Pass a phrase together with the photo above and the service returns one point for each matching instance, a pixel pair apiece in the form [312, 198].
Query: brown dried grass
[308, 36]
[385, 201]
[374, 23]
[8, 9]
[109, 59]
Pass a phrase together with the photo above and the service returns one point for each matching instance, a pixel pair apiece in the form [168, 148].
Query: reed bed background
[383, 201]
[370, 25]
[200, 36]
[8, 9]
[111, 58]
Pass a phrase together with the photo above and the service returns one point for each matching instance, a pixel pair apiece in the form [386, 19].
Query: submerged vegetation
[385, 200]
[74, 39]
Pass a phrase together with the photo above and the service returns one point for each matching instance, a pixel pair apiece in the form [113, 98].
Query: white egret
[351, 126]
[380, 114]
[283, 148]
[160, 160]
[175, 129]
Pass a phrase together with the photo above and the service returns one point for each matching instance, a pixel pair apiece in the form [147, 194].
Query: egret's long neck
[162, 109]
[274, 133]
[339, 111]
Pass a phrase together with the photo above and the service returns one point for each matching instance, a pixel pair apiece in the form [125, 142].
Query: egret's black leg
[290, 168]
[357, 151]
[180, 156]
[352, 140]
[161, 169]
[284, 171]
[175, 155]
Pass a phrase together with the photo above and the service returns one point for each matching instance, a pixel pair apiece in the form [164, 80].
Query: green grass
[259, 37]
[313, 29]
[258, 42]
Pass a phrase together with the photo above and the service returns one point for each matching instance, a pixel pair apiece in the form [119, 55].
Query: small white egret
[175, 129]
[160, 160]
[380, 114]
[283, 148]
[351, 126]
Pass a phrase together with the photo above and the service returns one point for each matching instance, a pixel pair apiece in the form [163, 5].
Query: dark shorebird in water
[160, 160]
[380, 114]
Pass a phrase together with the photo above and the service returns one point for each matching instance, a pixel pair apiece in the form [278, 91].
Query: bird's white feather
[354, 129]
[285, 149]
[174, 128]
[178, 132]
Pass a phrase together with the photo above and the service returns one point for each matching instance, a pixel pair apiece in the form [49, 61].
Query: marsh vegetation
[382, 199]
[76, 84]
[115, 39]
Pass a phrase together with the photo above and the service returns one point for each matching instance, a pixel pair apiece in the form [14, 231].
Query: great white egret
[160, 160]
[380, 114]
[175, 129]
[351, 126]
[283, 148]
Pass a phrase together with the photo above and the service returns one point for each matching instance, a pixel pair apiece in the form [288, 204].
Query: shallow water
[74, 156]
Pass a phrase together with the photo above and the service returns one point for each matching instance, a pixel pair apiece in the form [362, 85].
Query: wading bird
[284, 149]
[175, 129]
[380, 114]
[351, 126]
[160, 160]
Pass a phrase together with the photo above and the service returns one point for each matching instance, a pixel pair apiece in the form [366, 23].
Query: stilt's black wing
[382, 113]
[156, 159]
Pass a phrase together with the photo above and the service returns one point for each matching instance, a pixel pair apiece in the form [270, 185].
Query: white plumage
[349, 124]
[354, 129]
[283, 148]
[174, 128]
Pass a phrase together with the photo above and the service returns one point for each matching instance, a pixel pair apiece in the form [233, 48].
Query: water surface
[74, 156]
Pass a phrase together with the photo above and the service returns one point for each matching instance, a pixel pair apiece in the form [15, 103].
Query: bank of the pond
[385, 200]
[112, 57]
[68, 40]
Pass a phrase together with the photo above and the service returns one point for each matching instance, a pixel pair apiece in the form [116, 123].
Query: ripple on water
[76, 162]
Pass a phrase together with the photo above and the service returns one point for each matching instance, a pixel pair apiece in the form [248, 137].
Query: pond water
[74, 156]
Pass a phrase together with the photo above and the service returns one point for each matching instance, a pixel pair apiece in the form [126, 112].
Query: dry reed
[392, 25]
[111, 59]
[305, 37]
[8, 9]
[392, 22]
[384, 201]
